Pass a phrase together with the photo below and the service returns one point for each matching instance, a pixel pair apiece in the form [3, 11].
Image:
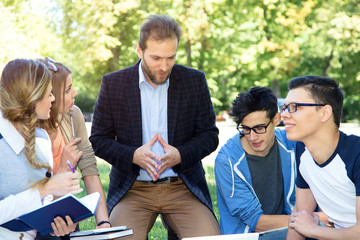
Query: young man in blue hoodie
[255, 169]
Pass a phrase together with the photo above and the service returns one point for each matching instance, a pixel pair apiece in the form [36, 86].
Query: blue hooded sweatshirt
[239, 206]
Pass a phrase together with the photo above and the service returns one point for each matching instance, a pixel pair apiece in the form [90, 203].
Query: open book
[102, 233]
[41, 218]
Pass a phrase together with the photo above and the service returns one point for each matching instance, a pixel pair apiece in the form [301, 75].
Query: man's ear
[139, 51]
[326, 113]
[277, 119]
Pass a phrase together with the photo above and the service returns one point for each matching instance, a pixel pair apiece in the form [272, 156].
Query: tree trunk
[276, 88]
[328, 65]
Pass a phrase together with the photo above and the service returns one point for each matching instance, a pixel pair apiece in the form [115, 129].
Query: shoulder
[41, 134]
[184, 69]
[189, 81]
[280, 134]
[349, 141]
[126, 73]
[186, 73]
[231, 149]
[348, 146]
[43, 146]
[77, 112]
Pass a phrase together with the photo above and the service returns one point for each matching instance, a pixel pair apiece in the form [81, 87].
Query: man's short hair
[159, 27]
[256, 99]
[323, 90]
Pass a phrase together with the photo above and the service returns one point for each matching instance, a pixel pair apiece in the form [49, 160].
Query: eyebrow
[68, 87]
[259, 125]
[156, 56]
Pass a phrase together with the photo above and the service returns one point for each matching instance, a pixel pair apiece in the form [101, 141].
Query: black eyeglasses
[258, 129]
[51, 64]
[292, 107]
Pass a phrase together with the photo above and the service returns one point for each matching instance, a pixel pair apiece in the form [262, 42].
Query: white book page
[90, 201]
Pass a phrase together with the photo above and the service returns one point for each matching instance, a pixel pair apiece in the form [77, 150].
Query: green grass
[158, 231]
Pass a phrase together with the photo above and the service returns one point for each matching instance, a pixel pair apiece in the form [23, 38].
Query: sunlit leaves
[237, 43]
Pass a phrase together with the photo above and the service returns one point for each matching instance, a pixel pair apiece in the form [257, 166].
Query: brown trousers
[181, 210]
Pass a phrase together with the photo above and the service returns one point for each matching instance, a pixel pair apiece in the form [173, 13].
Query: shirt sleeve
[87, 162]
[351, 157]
[357, 176]
[300, 181]
[14, 206]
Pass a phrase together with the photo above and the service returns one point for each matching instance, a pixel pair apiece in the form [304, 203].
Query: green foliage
[85, 102]
[238, 44]
[21, 32]
[210, 179]
[351, 110]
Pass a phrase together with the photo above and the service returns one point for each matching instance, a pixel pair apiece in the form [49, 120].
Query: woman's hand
[62, 184]
[71, 153]
[62, 228]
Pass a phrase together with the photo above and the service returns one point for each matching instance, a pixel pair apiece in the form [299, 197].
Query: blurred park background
[237, 43]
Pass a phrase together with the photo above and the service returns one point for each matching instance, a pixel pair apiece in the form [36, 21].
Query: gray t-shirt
[267, 180]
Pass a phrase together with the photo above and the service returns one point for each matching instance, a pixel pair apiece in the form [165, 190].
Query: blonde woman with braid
[26, 158]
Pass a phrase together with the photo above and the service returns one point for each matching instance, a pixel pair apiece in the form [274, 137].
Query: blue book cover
[41, 219]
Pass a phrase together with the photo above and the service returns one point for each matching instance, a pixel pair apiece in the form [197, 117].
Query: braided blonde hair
[23, 83]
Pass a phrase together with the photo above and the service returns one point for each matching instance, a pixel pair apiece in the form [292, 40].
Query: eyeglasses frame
[286, 106]
[241, 129]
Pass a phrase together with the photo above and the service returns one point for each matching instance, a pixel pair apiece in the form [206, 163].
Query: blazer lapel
[134, 102]
[174, 100]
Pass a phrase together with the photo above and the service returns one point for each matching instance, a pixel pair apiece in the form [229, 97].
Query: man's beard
[150, 75]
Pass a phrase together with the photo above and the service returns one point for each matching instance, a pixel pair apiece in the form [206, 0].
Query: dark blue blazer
[117, 129]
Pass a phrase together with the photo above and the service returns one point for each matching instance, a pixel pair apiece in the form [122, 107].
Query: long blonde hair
[23, 83]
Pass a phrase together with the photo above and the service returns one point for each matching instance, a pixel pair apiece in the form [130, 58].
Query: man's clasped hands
[152, 163]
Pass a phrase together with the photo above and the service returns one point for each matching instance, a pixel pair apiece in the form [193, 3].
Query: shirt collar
[11, 135]
[142, 76]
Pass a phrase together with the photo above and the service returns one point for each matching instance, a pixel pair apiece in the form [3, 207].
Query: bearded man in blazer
[154, 122]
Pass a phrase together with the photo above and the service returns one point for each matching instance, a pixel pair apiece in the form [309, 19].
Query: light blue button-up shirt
[154, 119]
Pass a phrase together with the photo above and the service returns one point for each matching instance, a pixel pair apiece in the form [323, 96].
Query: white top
[335, 184]
[16, 174]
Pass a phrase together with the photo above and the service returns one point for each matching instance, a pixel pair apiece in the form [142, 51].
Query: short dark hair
[256, 99]
[159, 27]
[323, 90]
